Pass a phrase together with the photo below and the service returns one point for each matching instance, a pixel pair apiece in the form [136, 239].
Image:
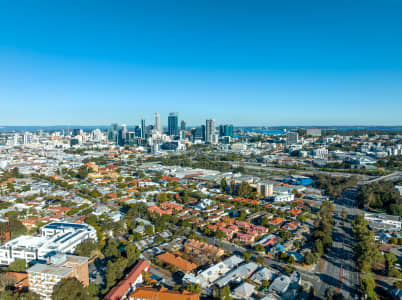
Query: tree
[367, 285]
[291, 259]
[265, 283]
[318, 247]
[86, 248]
[112, 249]
[149, 230]
[308, 258]
[70, 289]
[219, 234]
[93, 289]
[18, 265]
[193, 288]
[132, 253]
[260, 260]
[259, 248]
[223, 185]
[224, 293]
[247, 256]
[393, 240]
[83, 172]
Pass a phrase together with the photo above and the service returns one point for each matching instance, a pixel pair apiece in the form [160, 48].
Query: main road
[338, 268]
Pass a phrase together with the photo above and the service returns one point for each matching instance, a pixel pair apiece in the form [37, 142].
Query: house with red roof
[128, 284]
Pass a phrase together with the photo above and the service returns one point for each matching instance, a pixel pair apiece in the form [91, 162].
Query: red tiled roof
[121, 289]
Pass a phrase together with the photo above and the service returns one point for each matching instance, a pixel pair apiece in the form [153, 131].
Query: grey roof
[263, 274]
[233, 261]
[49, 269]
[244, 290]
[280, 284]
[241, 272]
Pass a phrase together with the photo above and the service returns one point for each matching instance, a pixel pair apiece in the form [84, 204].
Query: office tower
[122, 135]
[203, 132]
[173, 124]
[77, 131]
[226, 130]
[115, 127]
[158, 125]
[292, 138]
[265, 189]
[183, 125]
[197, 133]
[209, 130]
[143, 128]
[137, 131]
[113, 133]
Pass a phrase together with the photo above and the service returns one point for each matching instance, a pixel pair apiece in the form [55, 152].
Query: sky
[249, 63]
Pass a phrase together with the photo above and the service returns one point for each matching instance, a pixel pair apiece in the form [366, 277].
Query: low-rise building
[143, 293]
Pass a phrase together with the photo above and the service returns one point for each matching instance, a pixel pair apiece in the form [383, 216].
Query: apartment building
[43, 277]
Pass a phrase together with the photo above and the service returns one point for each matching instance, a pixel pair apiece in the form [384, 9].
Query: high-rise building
[143, 128]
[113, 133]
[122, 135]
[226, 130]
[292, 137]
[209, 130]
[173, 124]
[183, 125]
[265, 189]
[77, 131]
[158, 125]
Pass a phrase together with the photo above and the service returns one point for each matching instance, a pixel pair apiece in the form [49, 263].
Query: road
[259, 166]
[339, 271]
[395, 176]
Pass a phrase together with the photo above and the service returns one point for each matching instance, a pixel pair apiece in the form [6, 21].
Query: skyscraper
[173, 124]
[226, 130]
[292, 138]
[158, 125]
[122, 135]
[183, 125]
[143, 128]
[209, 130]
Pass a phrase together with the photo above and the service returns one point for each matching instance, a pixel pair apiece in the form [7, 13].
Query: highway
[339, 271]
[260, 166]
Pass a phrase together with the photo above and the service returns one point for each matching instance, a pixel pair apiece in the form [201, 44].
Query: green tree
[87, 248]
[367, 286]
[70, 289]
[260, 260]
[112, 249]
[18, 265]
[259, 248]
[149, 230]
[291, 259]
[223, 185]
[247, 256]
[132, 253]
[83, 172]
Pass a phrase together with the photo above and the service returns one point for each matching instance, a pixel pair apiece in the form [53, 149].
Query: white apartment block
[55, 238]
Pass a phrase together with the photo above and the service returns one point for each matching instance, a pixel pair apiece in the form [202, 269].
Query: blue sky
[244, 62]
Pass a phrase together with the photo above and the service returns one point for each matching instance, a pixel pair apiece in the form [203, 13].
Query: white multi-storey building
[55, 238]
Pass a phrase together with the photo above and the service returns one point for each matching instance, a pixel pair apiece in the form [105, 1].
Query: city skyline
[261, 64]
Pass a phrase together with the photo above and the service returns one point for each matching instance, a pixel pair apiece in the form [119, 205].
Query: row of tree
[380, 195]
[324, 227]
[366, 253]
